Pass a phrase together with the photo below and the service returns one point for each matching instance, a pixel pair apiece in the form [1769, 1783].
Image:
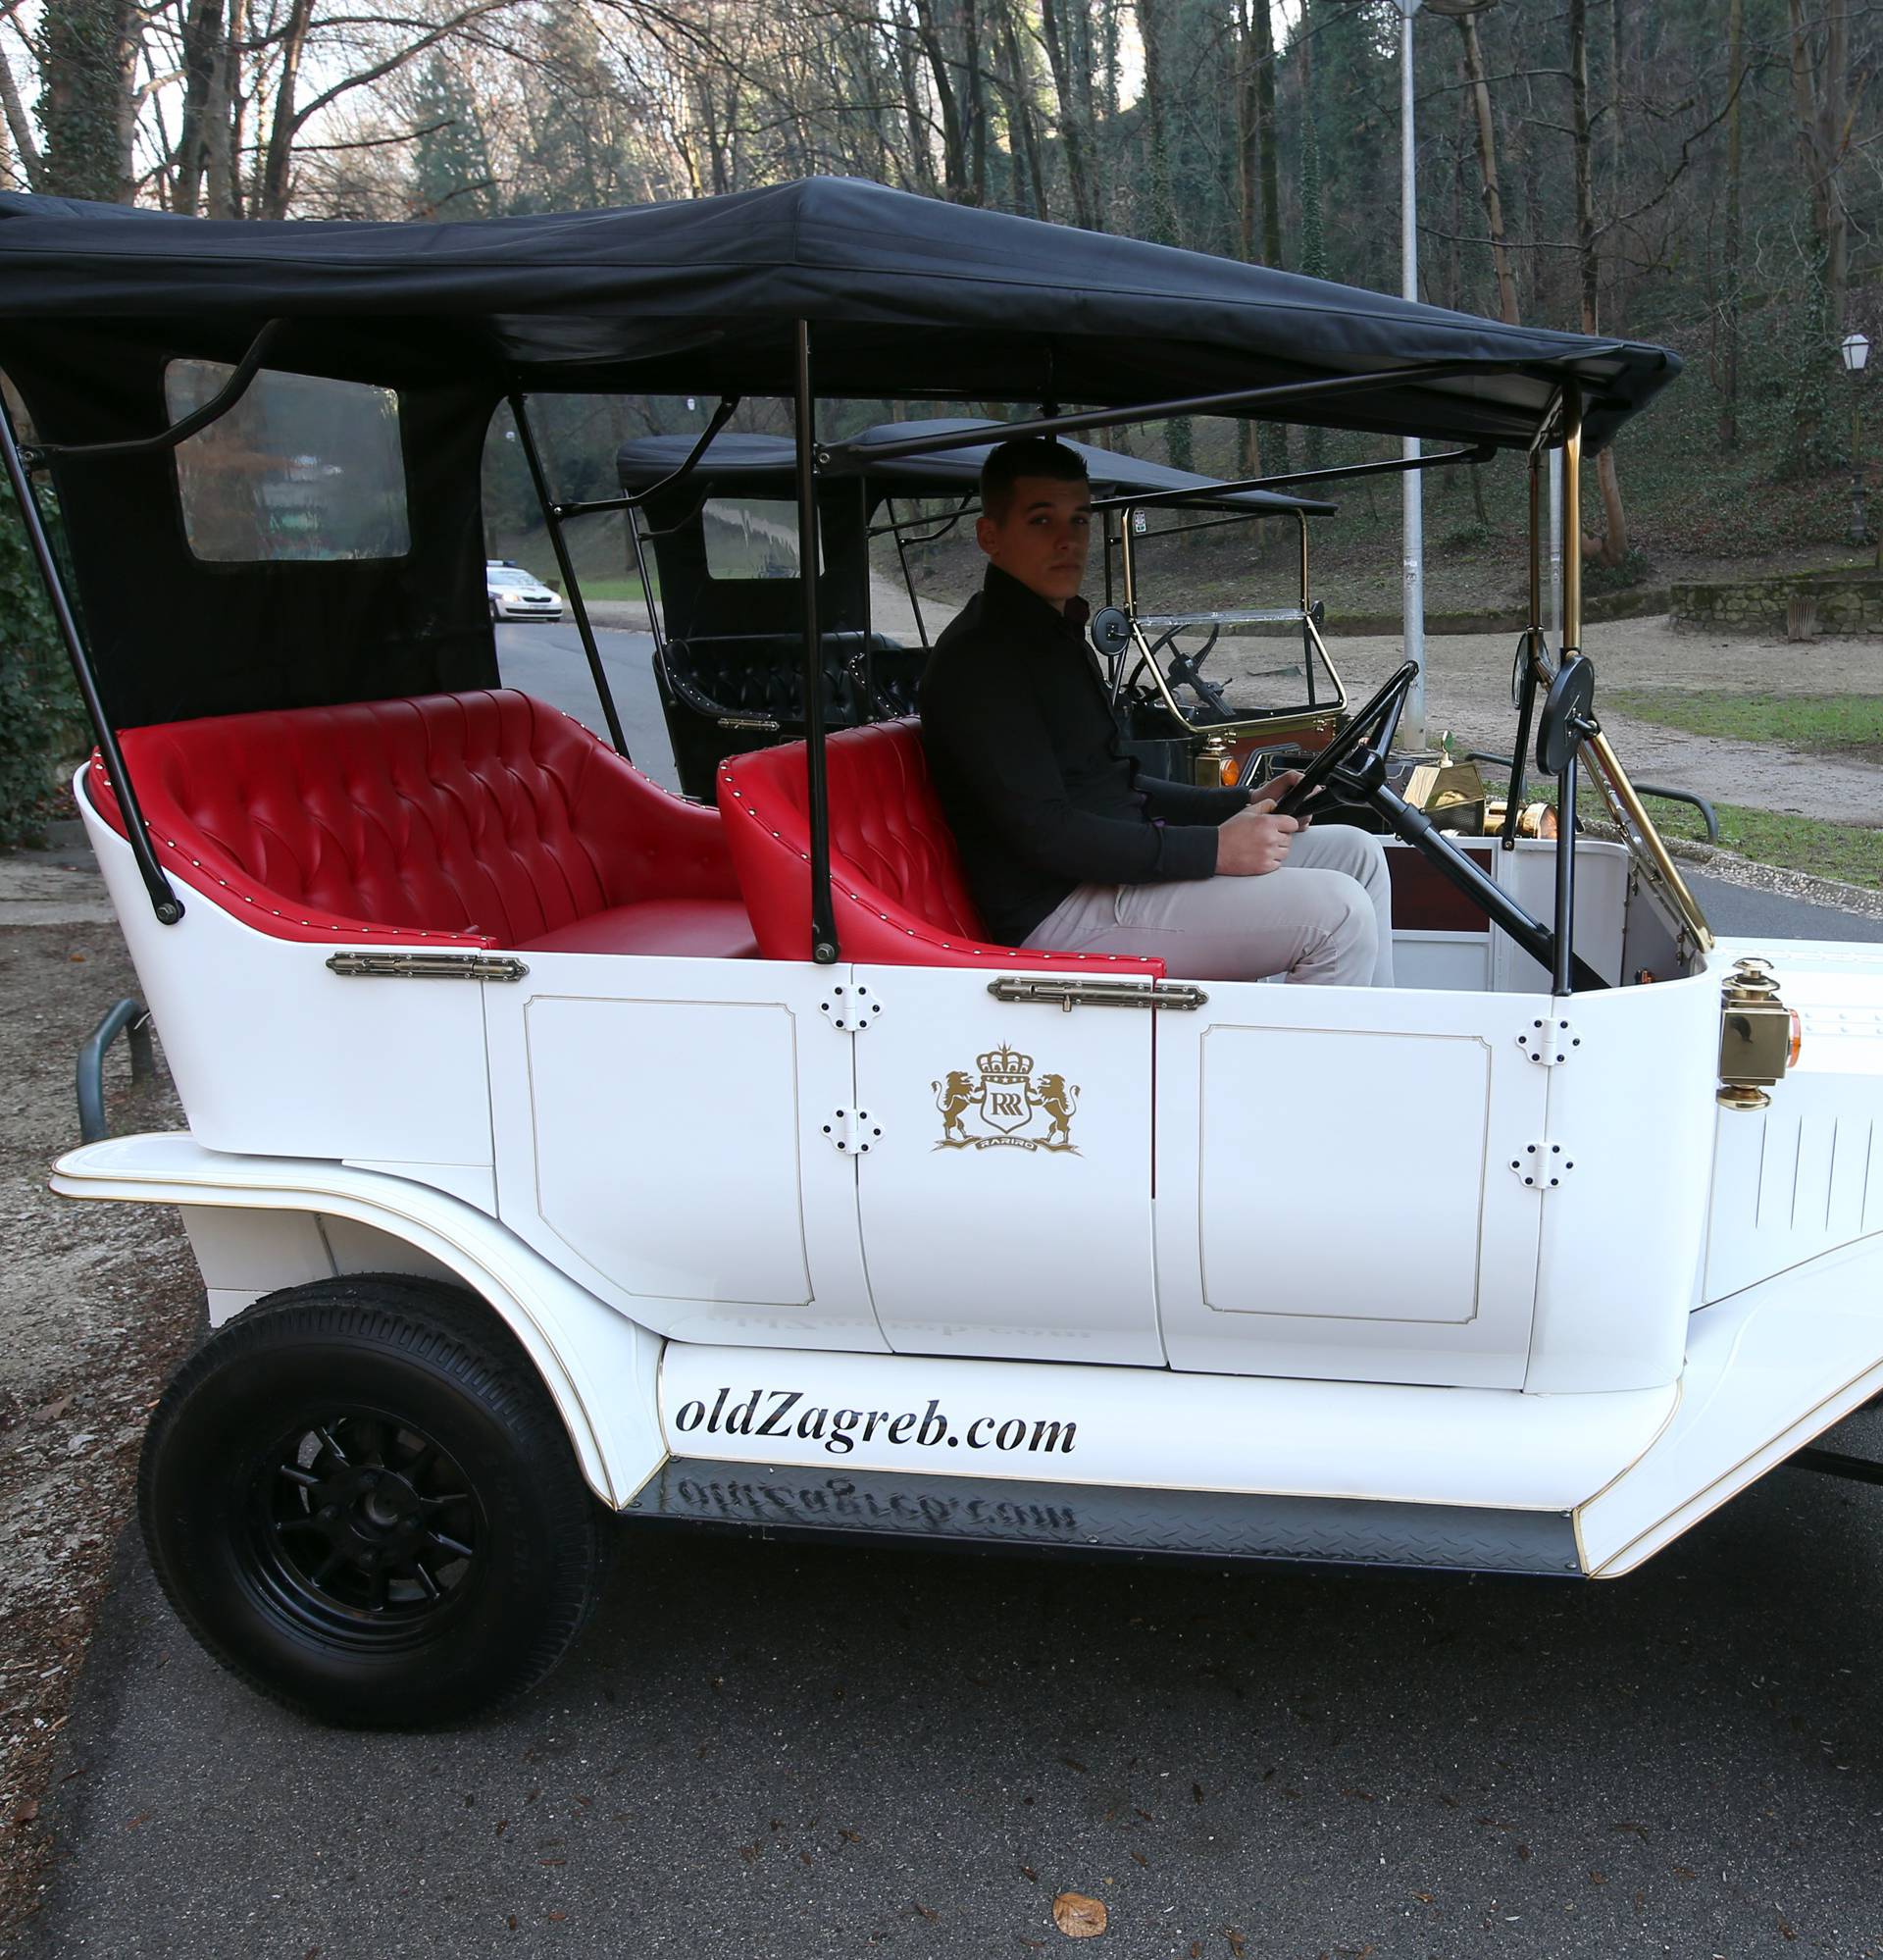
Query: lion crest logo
[1002, 1102]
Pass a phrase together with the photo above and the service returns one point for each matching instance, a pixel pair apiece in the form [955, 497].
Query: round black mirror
[1110, 631]
[1566, 722]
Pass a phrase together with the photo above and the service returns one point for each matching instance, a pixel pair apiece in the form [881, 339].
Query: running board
[992, 1513]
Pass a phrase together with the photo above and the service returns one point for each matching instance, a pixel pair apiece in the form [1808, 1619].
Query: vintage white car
[561, 1147]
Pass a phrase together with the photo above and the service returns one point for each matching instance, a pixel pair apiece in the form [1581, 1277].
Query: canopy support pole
[1391, 466]
[164, 901]
[824, 946]
[1562, 979]
[180, 430]
[1276, 400]
[552, 516]
[1530, 660]
[722, 415]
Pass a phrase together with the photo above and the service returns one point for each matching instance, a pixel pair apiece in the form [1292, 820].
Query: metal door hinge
[1070, 994]
[853, 1132]
[849, 1012]
[1542, 1166]
[1548, 1042]
[427, 966]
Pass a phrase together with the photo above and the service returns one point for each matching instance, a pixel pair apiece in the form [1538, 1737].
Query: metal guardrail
[131, 1019]
[1707, 815]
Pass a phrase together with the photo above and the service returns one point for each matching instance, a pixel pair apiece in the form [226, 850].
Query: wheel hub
[365, 1527]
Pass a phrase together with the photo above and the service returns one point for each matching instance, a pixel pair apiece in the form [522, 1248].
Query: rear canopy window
[752, 538]
[301, 468]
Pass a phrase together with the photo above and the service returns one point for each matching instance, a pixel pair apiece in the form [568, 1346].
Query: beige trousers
[1324, 918]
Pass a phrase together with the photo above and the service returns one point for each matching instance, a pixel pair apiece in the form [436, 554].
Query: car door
[1004, 1170]
[664, 1133]
[1348, 1182]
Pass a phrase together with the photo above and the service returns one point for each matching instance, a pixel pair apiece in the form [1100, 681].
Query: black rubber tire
[410, 1358]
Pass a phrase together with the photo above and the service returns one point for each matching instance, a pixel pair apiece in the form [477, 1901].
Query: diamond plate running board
[1207, 1525]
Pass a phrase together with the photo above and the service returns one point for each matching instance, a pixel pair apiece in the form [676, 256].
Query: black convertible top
[767, 465]
[908, 299]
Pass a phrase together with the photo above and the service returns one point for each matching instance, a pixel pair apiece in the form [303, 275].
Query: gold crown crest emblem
[1003, 1062]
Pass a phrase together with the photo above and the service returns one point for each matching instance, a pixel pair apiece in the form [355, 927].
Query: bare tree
[1612, 547]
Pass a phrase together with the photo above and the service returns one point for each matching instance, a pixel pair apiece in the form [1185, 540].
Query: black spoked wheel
[365, 1529]
[361, 1499]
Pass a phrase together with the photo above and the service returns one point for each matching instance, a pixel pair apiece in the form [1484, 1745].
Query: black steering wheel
[1372, 728]
[1354, 770]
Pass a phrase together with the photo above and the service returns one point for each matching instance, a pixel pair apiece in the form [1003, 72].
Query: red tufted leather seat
[895, 876]
[485, 819]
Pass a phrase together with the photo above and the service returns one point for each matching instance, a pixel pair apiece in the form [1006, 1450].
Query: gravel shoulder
[95, 1307]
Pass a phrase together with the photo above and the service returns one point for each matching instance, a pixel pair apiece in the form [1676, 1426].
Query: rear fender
[260, 1223]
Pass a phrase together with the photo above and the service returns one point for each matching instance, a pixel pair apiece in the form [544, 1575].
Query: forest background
[1708, 173]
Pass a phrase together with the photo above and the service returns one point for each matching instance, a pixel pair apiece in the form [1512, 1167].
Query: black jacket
[1026, 759]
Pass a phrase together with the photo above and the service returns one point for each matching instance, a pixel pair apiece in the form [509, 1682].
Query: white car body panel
[274, 1054]
[1311, 1221]
[659, 1130]
[1275, 1246]
[998, 1231]
[1767, 1370]
[1154, 1428]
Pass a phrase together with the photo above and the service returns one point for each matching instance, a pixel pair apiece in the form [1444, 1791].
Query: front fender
[600, 1368]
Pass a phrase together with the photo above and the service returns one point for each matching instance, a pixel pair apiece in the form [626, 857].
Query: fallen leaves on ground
[1079, 1917]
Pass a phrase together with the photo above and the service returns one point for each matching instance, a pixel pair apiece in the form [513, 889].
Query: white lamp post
[1856, 353]
[1412, 554]
[1412, 717]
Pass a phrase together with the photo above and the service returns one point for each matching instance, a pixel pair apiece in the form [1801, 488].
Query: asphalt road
[806, 1753]
[770, 1751]
[548, 661]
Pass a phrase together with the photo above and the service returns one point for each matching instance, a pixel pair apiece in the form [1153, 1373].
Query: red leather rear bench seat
[483, 819]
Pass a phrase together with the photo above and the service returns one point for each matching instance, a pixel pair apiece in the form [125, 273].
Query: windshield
[500, 574]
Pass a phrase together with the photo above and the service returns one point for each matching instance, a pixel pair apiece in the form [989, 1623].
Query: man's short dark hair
[1026, 456]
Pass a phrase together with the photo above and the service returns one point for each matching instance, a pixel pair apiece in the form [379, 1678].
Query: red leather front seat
[897, 883]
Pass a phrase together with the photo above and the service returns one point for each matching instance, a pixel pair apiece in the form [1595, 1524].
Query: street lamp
[1412, 715]
[1855, 351]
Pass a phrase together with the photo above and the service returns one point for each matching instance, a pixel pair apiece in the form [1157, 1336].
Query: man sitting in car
[1066, 845]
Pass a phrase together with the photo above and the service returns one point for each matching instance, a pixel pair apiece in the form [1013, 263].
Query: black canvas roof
[909, 298]
[767, 465]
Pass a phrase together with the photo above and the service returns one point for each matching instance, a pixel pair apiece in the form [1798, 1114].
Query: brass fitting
[1758, 1035]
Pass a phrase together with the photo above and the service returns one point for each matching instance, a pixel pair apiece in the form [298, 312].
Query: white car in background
[518, 594]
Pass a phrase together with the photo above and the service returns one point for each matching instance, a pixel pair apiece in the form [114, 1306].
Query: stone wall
[1843, 603]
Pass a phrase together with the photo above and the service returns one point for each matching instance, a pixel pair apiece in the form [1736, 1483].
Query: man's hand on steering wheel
[1255, 841]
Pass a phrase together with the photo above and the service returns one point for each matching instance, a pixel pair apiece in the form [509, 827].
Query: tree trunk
[1729, 367]
[1313, 235]
[1612, 547]
[921, 156]
[1487, 167]
[1071, 131]
[278, 166]
[954, 156]
[223, 122]
[1023, 132]
[27, 165]
[1820, 96]
[975, 109]
[87, 53]
[1163, 204]
[204, 46]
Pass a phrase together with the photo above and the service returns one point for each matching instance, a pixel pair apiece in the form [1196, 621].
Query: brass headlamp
[1758, 1035]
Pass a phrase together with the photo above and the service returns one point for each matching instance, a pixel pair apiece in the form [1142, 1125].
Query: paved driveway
[759, 1751]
